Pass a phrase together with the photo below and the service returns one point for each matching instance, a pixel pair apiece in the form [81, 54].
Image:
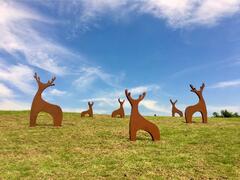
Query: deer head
[173, 103]
[43, 86]
[198, 92]
[90, 104]
[121, 102]
[134, 102]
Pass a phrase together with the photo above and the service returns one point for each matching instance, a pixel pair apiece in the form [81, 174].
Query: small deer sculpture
[120, 111]
[138, 122]
[88, 112]
[39, 105]
[199, 107]
[175, 109]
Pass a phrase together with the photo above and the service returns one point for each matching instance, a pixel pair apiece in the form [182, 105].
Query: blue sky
[96, 49]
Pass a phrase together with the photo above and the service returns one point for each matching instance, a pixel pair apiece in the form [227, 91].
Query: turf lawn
[99, 148]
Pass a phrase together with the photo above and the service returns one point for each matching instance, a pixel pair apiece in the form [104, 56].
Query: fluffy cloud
[56, 92]
[19, 35]
[7, 104]
[109, 100]
[87, 75]
[226, 84]
[177, 13]
[18, 76]
[153, 106]
[5, 91]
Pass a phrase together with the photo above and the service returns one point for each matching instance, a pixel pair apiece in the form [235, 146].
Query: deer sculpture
[40, 105]
[175, 109]
[199, 107]
[88, 112]
[138, 122]
[120, 111]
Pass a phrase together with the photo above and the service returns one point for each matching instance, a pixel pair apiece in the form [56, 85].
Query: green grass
[98, 148]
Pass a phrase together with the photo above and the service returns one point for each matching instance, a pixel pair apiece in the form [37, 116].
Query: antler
[37, 77]
[171, 101]
[50, 82]
[141, 97]
[119, 100]
[193, 88]
[202, 87]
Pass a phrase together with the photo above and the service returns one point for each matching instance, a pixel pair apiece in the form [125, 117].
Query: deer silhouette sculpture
[88, 112]
[138, 122]
[175, 109]
[39, 105]
[119, 112]
[199, 107]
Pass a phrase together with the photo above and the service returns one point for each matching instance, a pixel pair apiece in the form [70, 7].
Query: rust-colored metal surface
[138, 122]
[175, 110]
[88, 112]
[40, 105]
[120, 111]
[199, 107]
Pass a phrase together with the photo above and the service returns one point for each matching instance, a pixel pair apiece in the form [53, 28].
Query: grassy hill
[99, 148]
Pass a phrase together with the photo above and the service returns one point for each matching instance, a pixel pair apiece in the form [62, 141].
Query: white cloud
[177, 13]
[57, 92]
[5, 92]
[89, 74]
[108, 100]
[19, 76]
[210, 11]
[226, 84]
[153, 106]
[140, 89]
[187, 12]
[20, 36]
[10, 104]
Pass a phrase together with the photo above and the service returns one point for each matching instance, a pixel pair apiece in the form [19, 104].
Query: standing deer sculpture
[120, 111]
[138, 122]
[40, 105]
[175, 109]
[88, 112]
[199, 107]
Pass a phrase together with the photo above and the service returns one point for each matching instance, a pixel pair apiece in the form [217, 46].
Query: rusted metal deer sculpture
[40, 105]
[119, 112]
[199, 107]
[175, 109]
[138, 122]
[88, 112]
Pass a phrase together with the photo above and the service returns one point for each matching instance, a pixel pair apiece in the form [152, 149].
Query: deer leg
[57, 121]
[188, 116]
[153, 130]
[181, 114]
[33, 119]
[204, 117]
[133, 134]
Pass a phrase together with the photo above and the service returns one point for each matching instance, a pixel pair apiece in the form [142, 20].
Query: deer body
[119, 112]
[40, 105]
[138, 122]
[199, 107]
[88, 112]
[175, 109]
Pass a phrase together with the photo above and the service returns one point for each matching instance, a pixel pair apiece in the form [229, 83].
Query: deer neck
[121, 107]
[135, 111]
[90, 109]
[200, 101]
[39, 95]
